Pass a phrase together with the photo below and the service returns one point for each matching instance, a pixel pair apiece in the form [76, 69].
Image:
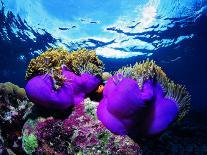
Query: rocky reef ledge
[28, 129]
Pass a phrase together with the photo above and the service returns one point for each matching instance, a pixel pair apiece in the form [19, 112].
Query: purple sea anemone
[162, 112]
[81, 85]
[121, 106]
[40, 90]
[142, 100]
[125, 107]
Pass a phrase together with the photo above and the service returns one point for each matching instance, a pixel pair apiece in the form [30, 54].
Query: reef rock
[13, 106]
[79, 133]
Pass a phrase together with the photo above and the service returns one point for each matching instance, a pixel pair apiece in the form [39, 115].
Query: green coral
[104, 137]
[149, 70]
[80, 153]
[29, 143]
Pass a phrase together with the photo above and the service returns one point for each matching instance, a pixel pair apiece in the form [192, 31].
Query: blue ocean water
[171, 32]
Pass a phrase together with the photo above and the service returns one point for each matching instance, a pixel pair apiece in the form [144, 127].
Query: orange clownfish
[100, 89]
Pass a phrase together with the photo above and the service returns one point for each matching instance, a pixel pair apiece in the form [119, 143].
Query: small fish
[100, 89]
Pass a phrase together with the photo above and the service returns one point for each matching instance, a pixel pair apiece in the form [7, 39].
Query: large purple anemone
[126, 108]
[162, 112]
[40, 89]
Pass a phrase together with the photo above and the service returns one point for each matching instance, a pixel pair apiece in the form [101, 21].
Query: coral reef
[142, 100]
[79, 133]
[13, 106]
[29, 143]
[90, 107]
[136, 105]
[13, 101]
[186, 137]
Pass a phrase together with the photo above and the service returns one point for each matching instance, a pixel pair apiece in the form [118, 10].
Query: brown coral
[49, 62]
[85, 61]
